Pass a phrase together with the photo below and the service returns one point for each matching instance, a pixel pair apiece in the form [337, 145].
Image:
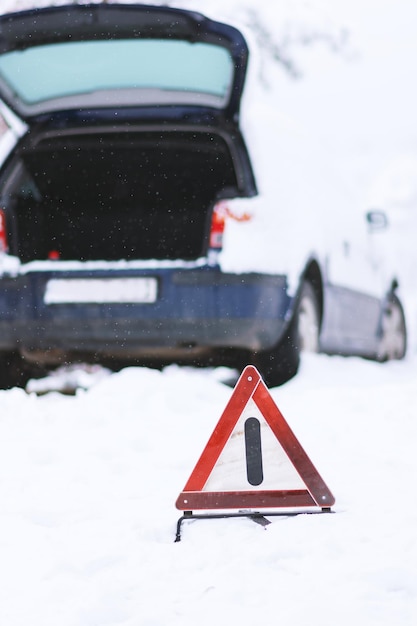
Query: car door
[357, 282]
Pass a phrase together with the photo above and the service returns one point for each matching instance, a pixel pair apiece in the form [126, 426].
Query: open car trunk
[117, 195]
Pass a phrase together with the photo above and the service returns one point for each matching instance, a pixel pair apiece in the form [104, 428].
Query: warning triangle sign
[253, 459]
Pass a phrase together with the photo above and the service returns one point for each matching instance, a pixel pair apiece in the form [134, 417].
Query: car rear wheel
[393, 342]
[280, 363]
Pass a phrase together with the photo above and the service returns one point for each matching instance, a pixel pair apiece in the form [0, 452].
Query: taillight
[3, 232]
[217, 226]
[221, 212]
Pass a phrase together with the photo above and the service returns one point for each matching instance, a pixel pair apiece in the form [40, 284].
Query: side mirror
[376, 220]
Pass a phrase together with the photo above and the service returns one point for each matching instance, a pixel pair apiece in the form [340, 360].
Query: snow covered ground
[88, 483]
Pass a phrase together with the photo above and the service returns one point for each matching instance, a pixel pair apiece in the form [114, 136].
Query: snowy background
[88, 482]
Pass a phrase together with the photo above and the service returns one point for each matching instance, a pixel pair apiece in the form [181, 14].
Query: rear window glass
[157, 68]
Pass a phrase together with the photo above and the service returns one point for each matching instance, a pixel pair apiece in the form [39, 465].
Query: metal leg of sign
[255, 516]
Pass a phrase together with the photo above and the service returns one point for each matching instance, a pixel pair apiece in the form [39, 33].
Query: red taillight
[221, 212]
[3, 232]
[217, 226]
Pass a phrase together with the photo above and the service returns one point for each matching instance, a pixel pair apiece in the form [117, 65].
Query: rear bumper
[196, 311]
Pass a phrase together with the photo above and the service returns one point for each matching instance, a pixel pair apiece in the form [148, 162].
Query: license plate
[101, 290]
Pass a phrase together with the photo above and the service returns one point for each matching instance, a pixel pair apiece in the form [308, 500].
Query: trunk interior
[110, 196]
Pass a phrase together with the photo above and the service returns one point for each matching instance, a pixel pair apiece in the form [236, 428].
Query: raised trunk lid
[83, 57]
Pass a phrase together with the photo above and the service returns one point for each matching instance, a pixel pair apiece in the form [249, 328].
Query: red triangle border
[250, 385]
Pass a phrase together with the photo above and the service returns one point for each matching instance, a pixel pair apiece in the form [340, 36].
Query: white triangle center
[230, 472]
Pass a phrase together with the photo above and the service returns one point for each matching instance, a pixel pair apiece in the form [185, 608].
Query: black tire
[13, 372]
[393, 341]
[279, 364]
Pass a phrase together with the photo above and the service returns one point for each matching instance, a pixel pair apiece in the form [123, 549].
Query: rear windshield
[128, 71]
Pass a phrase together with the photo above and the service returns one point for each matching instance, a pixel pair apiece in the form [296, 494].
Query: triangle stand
[255, 516]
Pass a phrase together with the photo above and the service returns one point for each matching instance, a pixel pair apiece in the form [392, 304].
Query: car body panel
[193, 308]
[359, 315]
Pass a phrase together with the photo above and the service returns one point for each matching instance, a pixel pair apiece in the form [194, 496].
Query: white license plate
[101, 290]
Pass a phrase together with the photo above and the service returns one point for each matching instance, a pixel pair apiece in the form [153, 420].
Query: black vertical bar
[254, 469]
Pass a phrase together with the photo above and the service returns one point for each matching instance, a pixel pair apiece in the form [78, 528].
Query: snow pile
[68, 379]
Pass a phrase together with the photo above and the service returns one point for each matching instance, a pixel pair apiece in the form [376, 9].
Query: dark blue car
[120, 147]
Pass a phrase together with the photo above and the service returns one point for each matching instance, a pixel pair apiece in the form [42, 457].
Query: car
[133, 229]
